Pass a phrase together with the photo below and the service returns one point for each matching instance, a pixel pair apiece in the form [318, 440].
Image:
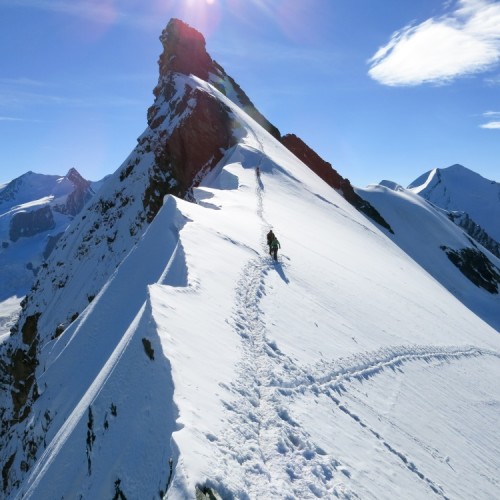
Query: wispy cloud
[93, 10]
[21, 99]
[494, 122]
[21, 81]
[83, 8]
[463, 42]
[491, 125]
[493, 80]
[22, 93]
[14, 119]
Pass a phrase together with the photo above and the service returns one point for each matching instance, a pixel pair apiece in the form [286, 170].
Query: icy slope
[343, 370]
[424, 231]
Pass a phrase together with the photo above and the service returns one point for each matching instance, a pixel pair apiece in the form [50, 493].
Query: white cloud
[491, 125]
[462, 42]
[493, 116]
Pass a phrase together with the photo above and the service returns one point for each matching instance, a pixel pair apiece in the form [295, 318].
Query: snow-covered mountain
[162, 353]
[35, 209]
[472, 201]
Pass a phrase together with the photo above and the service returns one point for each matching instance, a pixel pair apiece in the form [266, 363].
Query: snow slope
[421, 229]
[342, 370]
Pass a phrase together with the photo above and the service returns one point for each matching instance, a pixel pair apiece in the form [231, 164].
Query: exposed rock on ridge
[77, 199]
[475, 231]
[26, 224]
[185, 52]
[325, 170]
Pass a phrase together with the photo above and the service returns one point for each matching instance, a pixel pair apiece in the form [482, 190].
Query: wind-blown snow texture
[342, 370]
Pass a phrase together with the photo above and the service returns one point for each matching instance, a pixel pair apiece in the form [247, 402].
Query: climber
[273, 248]
[257, 171]
[270, 238]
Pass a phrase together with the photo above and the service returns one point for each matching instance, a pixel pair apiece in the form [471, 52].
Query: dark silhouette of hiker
[270, 238]
[257, 171]
[273, 248]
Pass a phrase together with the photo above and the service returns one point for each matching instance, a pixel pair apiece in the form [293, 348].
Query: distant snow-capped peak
[458, 188]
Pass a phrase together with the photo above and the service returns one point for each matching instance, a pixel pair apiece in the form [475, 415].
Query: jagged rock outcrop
[474, 265]
[30, 222]
[25, 224]
[185, 53]
[325, 170]
[475, 231]
[81, 194]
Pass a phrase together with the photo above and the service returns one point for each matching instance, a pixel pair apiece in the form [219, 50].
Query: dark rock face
[475, 231]
[197, 146]
[476, 267]
[191, 150]
[185, 53]
[25, 224]
[77, 199]
[325, 170]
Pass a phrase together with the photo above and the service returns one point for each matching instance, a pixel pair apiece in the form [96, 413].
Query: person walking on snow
[270, 238]
[275, 244]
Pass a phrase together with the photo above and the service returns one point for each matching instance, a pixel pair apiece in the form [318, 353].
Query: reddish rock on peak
[319, 166]
[184, 51]
[325, 170]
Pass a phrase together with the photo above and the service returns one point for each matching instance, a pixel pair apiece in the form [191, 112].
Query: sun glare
[204, 15]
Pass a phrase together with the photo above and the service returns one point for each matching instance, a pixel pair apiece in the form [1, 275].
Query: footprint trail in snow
[277, 457]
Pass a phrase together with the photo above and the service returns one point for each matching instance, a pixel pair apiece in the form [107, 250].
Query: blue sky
[382, 90]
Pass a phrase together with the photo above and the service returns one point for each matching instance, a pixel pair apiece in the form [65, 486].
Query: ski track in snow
[277, 456]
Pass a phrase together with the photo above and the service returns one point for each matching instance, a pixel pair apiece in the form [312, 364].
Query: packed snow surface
[341, 370]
